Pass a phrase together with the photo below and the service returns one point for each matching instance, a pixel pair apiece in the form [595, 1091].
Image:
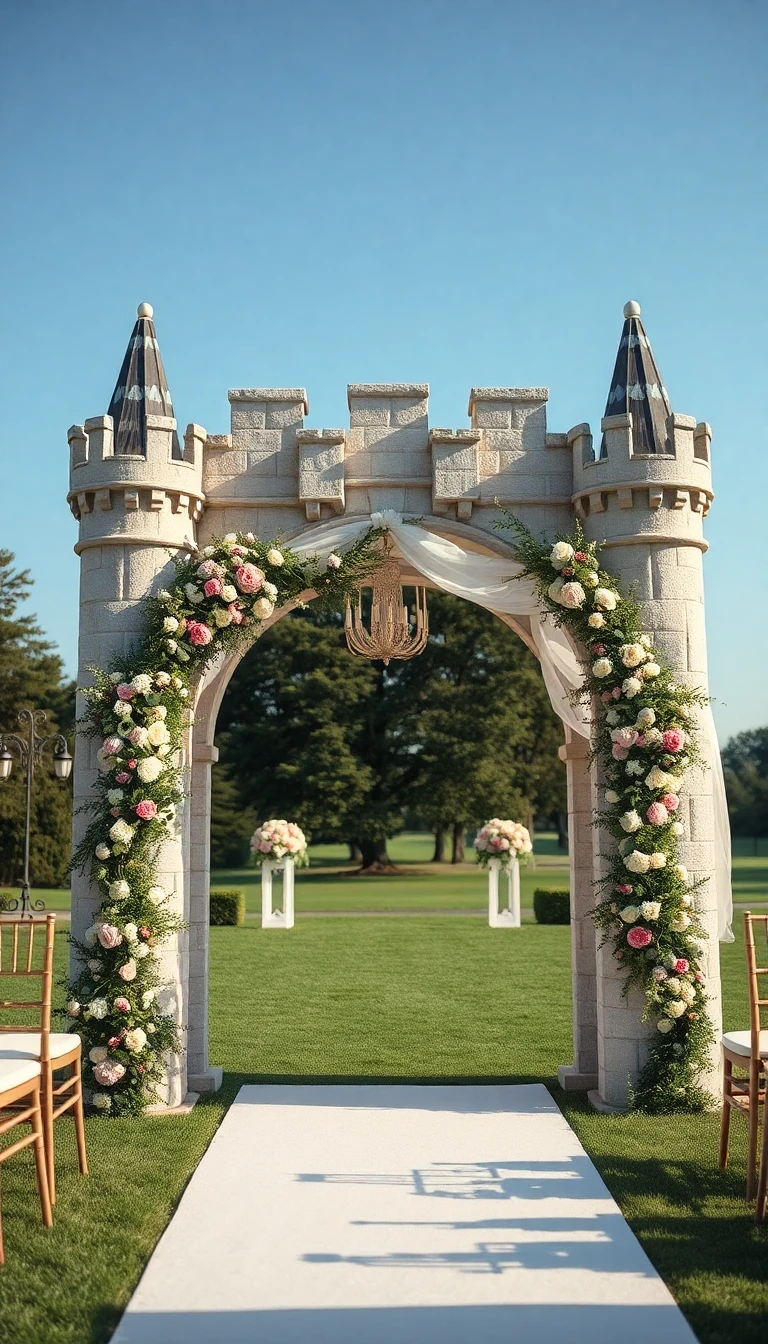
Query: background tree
[745, 765]
[31, 677]
[347, 747]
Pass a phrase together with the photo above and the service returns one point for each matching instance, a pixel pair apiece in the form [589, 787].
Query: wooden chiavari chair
[762, 1180]
[55, 1051]
[746, 1051]
[20, 1078]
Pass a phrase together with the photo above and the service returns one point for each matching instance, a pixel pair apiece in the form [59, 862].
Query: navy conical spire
[141, 389]
[637, 389]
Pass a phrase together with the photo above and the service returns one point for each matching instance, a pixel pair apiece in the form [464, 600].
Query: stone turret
[137, 496]
[645, 497]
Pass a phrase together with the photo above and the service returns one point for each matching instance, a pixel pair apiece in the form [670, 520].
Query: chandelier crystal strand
[389, 633]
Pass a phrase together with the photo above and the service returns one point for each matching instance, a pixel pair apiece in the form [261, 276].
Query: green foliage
[745, 764]
[227, 907]
[645, 736]
[31, 677]
[551, 907]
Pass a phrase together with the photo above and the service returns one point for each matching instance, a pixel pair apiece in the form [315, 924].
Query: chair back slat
[29, 960]
[753, 924]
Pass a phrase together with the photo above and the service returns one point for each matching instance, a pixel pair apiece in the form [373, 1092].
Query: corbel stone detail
[655, 496]
[321, 470]
[625, 497]
[156, 501]
[597, 501]
[455, 469]
[131, 500]
[102, 499]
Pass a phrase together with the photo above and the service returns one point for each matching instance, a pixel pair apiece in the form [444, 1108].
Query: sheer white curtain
[492, 582]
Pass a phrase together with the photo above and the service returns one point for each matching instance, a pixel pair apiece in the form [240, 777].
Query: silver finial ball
[144, 310]
[632, 309]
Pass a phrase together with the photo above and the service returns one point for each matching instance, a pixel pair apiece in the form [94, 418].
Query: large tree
[745, 764]
[345, 746]
[31, 677]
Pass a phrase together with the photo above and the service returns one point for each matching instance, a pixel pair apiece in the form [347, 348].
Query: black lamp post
[30, 749]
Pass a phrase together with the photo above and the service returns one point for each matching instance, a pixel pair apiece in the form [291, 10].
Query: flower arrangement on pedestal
[502, 840]
[138, 711]
[274, 841]
[645, 739]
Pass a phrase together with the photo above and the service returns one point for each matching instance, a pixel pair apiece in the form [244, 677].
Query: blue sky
[321, 193]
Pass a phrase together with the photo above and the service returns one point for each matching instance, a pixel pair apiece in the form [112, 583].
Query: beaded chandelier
[391, 632]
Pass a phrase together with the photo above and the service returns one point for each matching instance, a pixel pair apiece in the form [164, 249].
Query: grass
[424, 998]
[330, 884]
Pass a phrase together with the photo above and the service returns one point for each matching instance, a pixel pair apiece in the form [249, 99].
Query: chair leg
[41, 1162]
[762, 1183]
[82, 1155]
[2, 1251]
[46, 1099]
[754, 1120]
[725, 1114]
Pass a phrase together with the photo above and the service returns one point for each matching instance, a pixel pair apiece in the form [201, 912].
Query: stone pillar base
[571, 1079]
[604, 1107]
[183, 1109]
[209, 1081]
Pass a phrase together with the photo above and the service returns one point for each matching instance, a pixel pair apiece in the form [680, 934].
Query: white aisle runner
[367, 1214]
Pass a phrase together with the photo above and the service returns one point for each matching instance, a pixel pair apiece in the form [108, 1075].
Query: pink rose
[122, 778]
[671, 802]
[108, 935]
[249, 578]
[640, 741]
[112, 746]
[699, 977]
[127, 971]
[109, 1073]
[657, 814]
[208, 569]
[125, 691]
[618, 752]
[136, 735]
[638, 937]
[673, 739]
[213, 588]
[235, 613]
[199, 633]
[681, 966]
[146, 809]
[264, 846]
[236, 551]
[616, 693]
[115, 811]
[624, 889]
[606, 697]
[114, 1041]
[122, 1005]
[599, 649]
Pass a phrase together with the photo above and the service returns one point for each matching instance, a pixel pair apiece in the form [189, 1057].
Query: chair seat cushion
[16, 1071]
[740, 1043]
[26, 1044]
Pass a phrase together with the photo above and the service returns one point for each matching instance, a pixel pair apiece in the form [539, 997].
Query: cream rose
[605, 599]
[157, 733]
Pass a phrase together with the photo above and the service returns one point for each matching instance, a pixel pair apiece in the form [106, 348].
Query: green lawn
[381, 998]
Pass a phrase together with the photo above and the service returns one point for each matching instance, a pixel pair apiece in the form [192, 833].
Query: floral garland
[502, 840]
[645, 737]
[139, 711]
[275, 840]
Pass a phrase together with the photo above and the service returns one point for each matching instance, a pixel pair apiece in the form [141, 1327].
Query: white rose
[102, 1101]
[102, 851]
[605, 599]
[650, 670]
[142, 684]
[121, 833]
[590, 579]
[114, 796]
[612, 717]
[122, 709]
[118, 891]
[663, 1025]
[157, 894]
[131, 932]
[659, 973]
[90, 935]
[149, 769]
[98, 1008]
[269, 590]
[629, 914]
[645, 718]
[164, 595]
[229, 593]
[141, 951]
[554, 590]
[602, 667]
[193, 594]
[657, 859]
[650, 909]
[652, 737]
[632, 654]
[634, 767]
[637, 862]
[562, 554]
[678, 828]
[135, 1040]
[631, 686]
[687, 993]
[147, 997]
[611, 796]
[171, 645]
[596, 620]
[630, 821]
[672, 986]
[681, 871]
[157, 733]
[222, 617]
[263, 608]
[230, 539]
[275, 557]
[116, 678]
[163, 679]
[657, 779]
[333, 561]
[680, 922]
[675, 1008]
[170, 625]
[94, 965]
[73, 1008]
[98, 1054]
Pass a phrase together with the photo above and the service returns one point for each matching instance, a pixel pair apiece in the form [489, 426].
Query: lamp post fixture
[30, 749]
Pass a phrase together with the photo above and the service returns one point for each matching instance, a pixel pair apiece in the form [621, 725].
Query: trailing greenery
[227, 907]
[551, 907]
[138, 709]
[645, 737]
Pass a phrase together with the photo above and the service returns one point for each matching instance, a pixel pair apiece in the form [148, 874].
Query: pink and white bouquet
[503, 840]
[274, 841]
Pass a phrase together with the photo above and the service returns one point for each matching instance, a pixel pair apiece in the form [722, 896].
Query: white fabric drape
[493, 582]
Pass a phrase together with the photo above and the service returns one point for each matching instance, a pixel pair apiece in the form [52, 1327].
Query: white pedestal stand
[277, 919]
[509, 918]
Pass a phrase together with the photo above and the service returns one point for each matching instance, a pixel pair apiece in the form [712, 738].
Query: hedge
[551, 907]
[227, 907]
